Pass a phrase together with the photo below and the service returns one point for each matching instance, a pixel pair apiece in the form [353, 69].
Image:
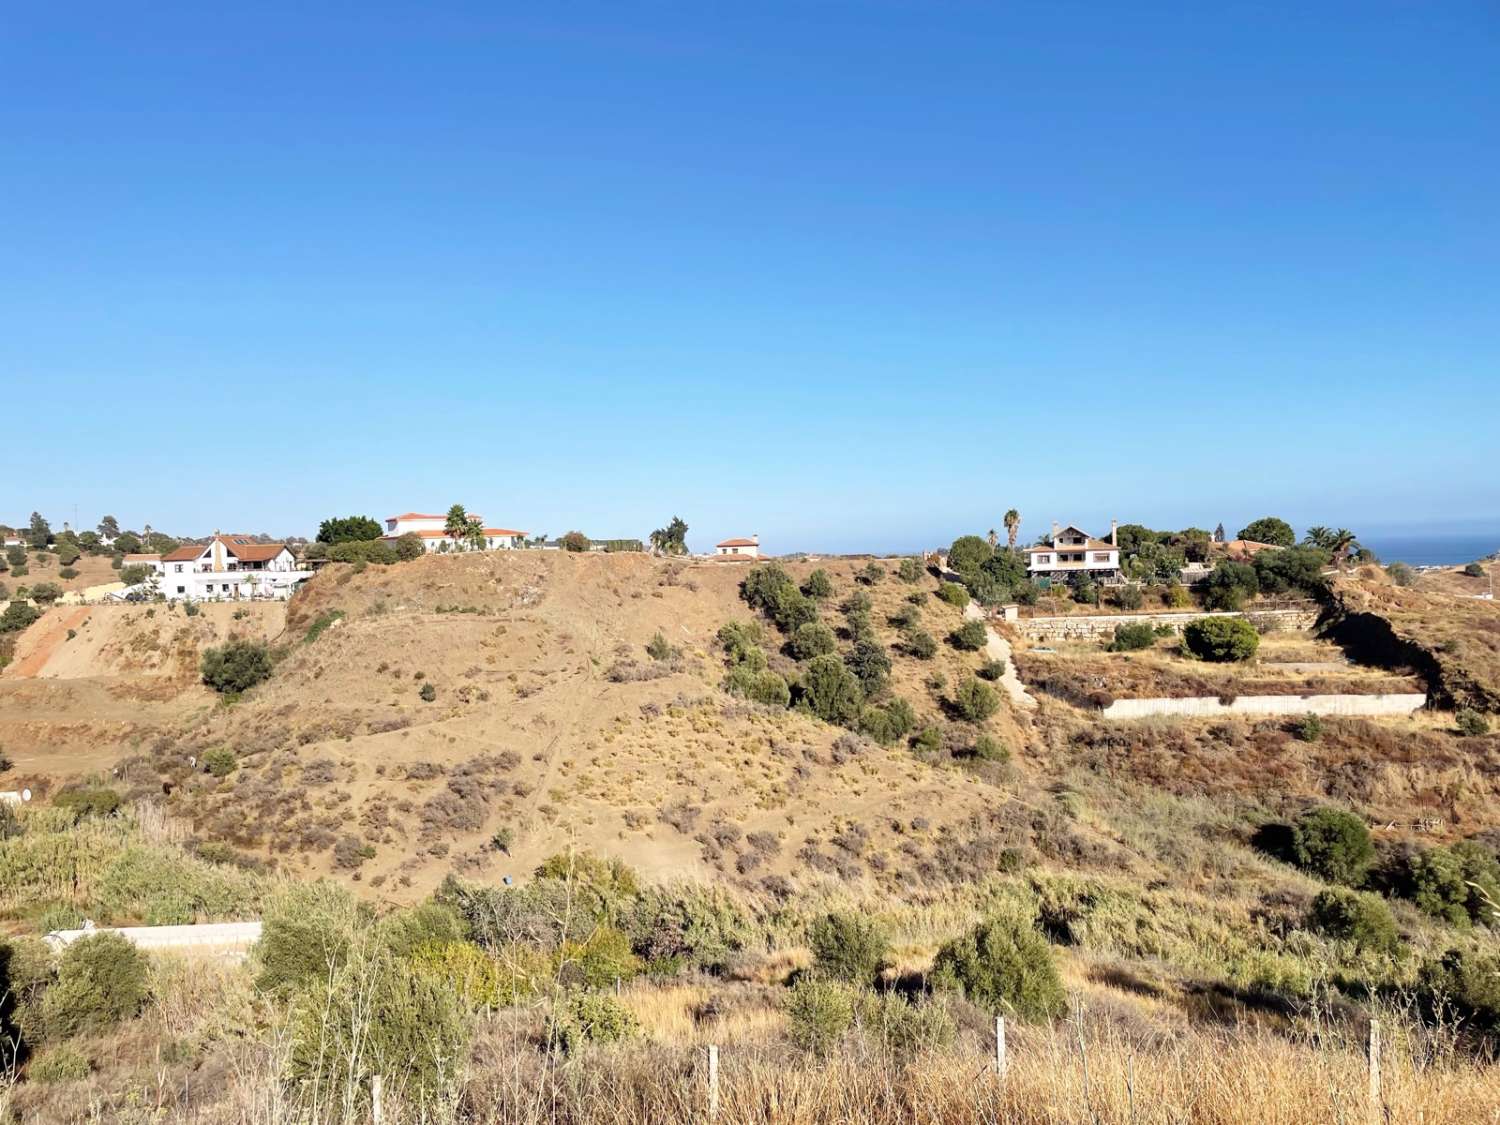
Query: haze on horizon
[851, 276]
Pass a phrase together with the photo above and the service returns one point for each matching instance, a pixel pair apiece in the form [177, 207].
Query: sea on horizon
[1433, 549]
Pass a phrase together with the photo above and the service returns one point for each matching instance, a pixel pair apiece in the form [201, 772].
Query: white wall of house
[230, 585]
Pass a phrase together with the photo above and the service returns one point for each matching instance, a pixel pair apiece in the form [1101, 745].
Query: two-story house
[229, 567]
[433, 532]
[1072, 552]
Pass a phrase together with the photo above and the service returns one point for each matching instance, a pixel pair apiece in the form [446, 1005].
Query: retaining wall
[1098, 626]
[209, 937]
[1403, 703]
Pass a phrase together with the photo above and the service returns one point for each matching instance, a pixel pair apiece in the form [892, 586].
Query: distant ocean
[1433, 549]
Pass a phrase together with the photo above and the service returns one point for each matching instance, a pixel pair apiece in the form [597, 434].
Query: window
[1101, 556]
[1043, 560]
[182, 589]
[177, 567]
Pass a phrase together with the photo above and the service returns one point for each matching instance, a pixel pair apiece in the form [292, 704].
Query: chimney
[1056, 527]
[755, 539]
[1114, 528]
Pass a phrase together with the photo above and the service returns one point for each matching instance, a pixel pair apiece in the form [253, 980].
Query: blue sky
[849, 275]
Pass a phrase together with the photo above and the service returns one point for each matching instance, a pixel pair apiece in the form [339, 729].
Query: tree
[1012, 527]
[101, 980]
[672, 539]
[1003, 965]
[109, 527]
[1338, 543]
[474, 538]
[133, 574]
[237, 665]
[68, 551]
[349, 528]
[1221, 640]
[575, 541]
[41, 531]
[45, 593]
[456, 524]
[1354, 916]
[1291, 568]
[992, 539]
[810, 640]
[1268, 529]
[1332, 844]
[848, 947]
[409, 546]
[975, 701]
[1229, 585]
[870, 664]
[1219, 533]
[128, 543]
[1474, 570]
[818, 585]
[967, 553]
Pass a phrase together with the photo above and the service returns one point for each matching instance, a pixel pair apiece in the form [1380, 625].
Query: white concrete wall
[1095, 626]
[210, 937]
[207, 586]
[1403, 703]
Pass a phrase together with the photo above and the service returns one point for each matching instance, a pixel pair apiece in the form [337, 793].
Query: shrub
[831, 692]
[971, 636]
[658, 648]
[1401, 574]
[603, 958]
[848, 947]
[871, 574]
[1269, 529]
[1132, 637]
[690, 925]
[909, 571]
[1176, 596]
[67, 572]
[1471, 724]
[306, 935]
[1474, 570]
[1229, 585]
[1354, 916]
[770, 589]
[818, 585]
[17, 616]
[988, 749]
[574, 541]
[819, 1013]
[870, 664]
[1003, 965]
[906, 617]
[1129, 596]
[741, 640]
[62, 1063]
[1468, 980]
[920, 644]
[899, 1025]
[321, 625]
[580, 1018]
[88, 800]
[219, 761]
[375, 1015]
[812, 639]
[45, 593]
[968, 553]
[975, 701]
[928, 740]
[101, 980]
[428, 693]
[1433, 879]
[888, 723]
[1292, 568]
[954, 594]
[236, 666]
[1221, 640]
[1309, 728]
[1481, 872]
[1333, 845]
[763, 686]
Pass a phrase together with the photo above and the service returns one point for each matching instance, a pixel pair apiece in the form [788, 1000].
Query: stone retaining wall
[1403, 703]
[1099, 626]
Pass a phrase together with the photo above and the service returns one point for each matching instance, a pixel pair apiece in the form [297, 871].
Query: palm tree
[1012, 527]
[456, 526]
[1318, 536]
[1342, 543]
[993, 538]
[474, 534]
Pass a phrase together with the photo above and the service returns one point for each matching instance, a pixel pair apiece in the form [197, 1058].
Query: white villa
[432, 531]
[745, 548]
[1072, 552]
[227, 568]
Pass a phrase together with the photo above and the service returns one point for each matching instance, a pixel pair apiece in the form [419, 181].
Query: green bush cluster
[1354, 916]
[971, 636]
[888, 722]
[101, 980]
[1132, 637]
[831, 691]
[1332, 844]
[954, 594]
[1004, 965]
[1221, 640]
[237, 665]
[848, 947]
[770, 590]
[974, 701]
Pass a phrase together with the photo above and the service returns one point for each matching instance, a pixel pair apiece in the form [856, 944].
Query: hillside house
[1072, 552]
[229, 568]
[747, 548]
[432, 531]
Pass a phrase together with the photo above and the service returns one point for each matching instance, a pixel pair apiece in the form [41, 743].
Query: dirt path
[53, 633]
[997, 648]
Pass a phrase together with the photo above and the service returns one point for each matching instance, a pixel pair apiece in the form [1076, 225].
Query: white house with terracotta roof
[1072, 552]
[744, 548]
[433, 532]
[230, 568]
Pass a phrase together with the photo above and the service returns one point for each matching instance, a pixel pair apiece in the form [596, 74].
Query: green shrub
[1467, 980]
[1474, 570]
[1132, 637]
[871, 574]
[1229, 585]
[1309, 728]
[1129, 596]
[63, 1063]
[1269, 529]
[819, 1013]
[101, 980]
[818, 585]
[831, 692]
[971, 636]
[909, 571]
[237, 665]
[1221, 640]
[46, 593]
[427, 693]
[67, 572]
[306, 934]
[580, 1018]
[761, 686]
[954, 594]
[220, 761]
[428, 923]
[1401, 574]
[688, 926]
[906, 617]
[88, 800]
[1471, 723]
[658, 647]
[1354, 916]
[17, 616]
[771, 590]
[975, 701]
[376, 1015]
[901, 1026]
[920, 644]
[968, 553]
[988, 749]
[812, 639]
[870, 663]
[601, 959]
[848, 947]
[741, 641]
[1333, 845]
[1003, 965]
[928, 740]
[1434, 880]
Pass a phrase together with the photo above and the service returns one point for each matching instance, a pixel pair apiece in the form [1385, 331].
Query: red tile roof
[738, 543]
[185, 554]
[417, 516]
[142, 558]
[444, 534]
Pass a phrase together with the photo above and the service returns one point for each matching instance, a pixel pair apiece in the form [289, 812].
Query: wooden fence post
[1374, 1057]
[713, 1082]
[377, 1100]
[1000, 1061]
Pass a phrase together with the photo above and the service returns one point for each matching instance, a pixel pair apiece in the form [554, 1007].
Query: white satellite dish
[25, 794]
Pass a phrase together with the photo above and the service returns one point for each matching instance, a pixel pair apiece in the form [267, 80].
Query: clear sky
[849, 275]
